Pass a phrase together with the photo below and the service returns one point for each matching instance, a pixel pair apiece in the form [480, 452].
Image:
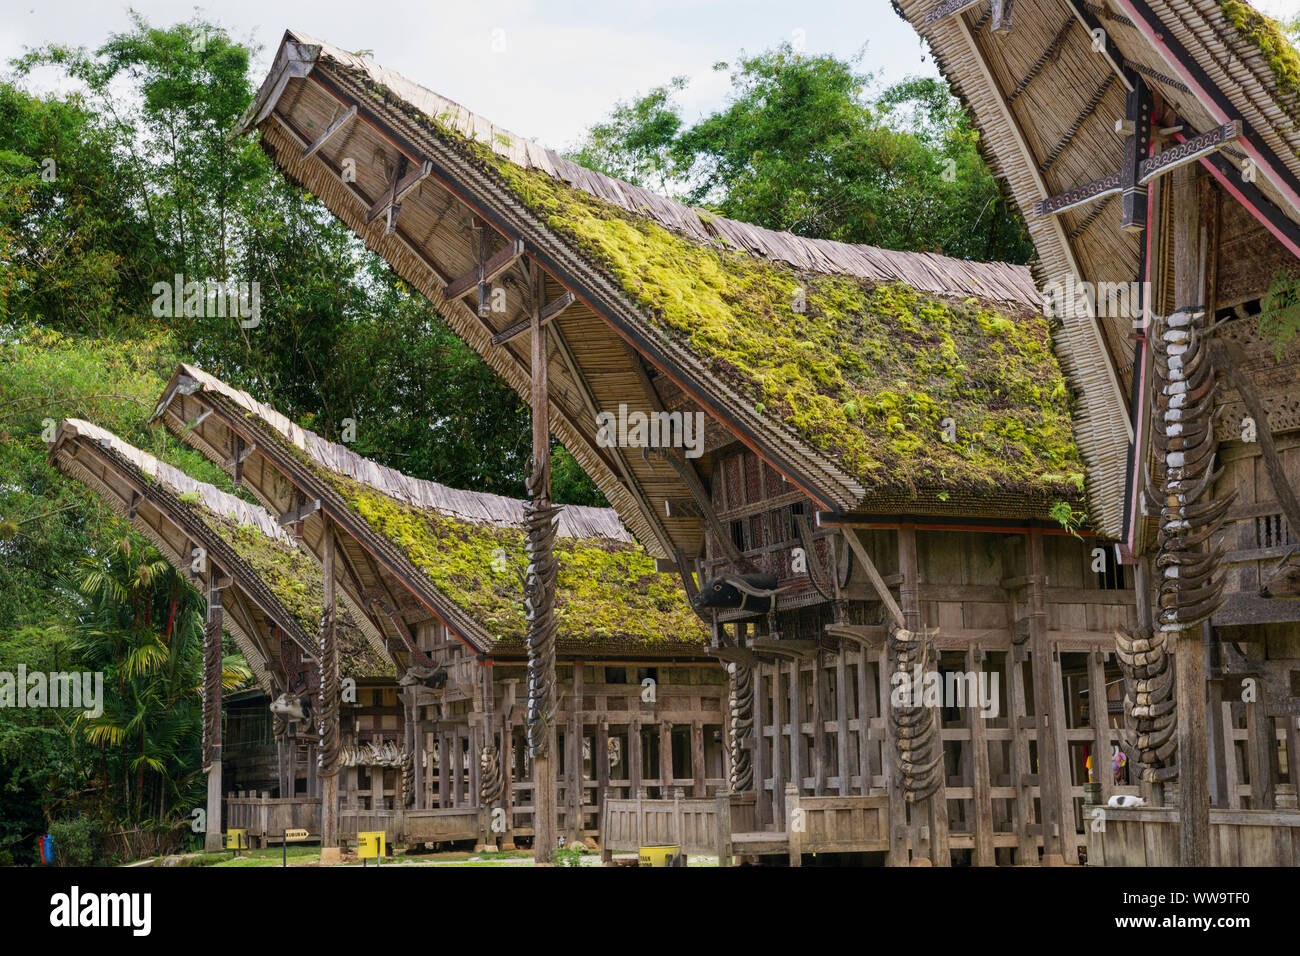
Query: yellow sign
[370, 846]
[660, 855]
[295, 835]
[236, 839]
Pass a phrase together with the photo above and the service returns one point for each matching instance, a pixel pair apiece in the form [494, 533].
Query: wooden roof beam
[400, 185]
[950, 7]
[551, 311]
[1089, 108]
[1101, 41]
[1146, 170]
[330, 132]
[485, 272]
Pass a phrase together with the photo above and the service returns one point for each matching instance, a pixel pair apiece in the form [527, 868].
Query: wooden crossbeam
[486, 272]
[948, 8]
[550, 312]
[1079, 195]
[1189, 150]
[682, 508]
[402, 183]
[299, 513]
[241, 457]
[330, 132]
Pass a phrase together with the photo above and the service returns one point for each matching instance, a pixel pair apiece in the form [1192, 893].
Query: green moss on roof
[607, 591]
[296, 581]
[867, 373]
[1265, 33]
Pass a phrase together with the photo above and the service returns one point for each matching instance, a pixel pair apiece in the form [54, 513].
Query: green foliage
[149, 186]
[801, 147]
[1276, 41]
[570, 854]
[1068, 517]
[1279, 316]
[75, 842]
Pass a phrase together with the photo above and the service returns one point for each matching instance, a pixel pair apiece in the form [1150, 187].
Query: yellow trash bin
[662, 855]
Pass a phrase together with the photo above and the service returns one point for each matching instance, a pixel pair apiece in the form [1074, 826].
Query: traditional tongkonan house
[439, 573]
[1152, 148]
[267, 594]
[859, 462]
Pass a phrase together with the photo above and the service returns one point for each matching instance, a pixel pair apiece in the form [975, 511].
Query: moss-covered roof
[296, 581]
[1264, 32]
[867, 372]
[608, 592]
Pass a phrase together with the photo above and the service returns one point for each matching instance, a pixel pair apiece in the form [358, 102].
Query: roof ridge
[476, 507]
[929, 272]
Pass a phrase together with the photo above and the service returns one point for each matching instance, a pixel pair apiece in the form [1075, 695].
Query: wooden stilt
[212, 841]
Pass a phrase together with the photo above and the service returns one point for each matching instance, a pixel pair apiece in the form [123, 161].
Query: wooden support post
[724, 827]
[1189, 674]
[329, 676]
[212, 841]
[600, 764]
[898, 830]
[820, 756]
[542, 669]
[444, 770]
[665, 759]
[929, 816]
[982, 810]
[1040, 660]
[794, 825]
[1023, 805]
[697, 760]
[1099, 717]
[842, 750]
[508, 752]
[635, 758]
[763, 813]
[576, 733]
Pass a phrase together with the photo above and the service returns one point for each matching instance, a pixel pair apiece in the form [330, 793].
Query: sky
[547, 69]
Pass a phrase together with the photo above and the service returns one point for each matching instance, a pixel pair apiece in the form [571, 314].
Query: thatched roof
[275, 588]
[416, 543]
[1046, 103]
[836, 363]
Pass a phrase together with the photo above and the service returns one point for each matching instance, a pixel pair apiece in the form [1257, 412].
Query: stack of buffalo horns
[920, 761]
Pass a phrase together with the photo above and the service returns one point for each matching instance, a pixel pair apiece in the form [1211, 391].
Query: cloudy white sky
[545, 68]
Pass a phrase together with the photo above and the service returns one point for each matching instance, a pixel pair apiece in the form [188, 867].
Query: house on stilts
[438, 573]
[1152, 148]
[267, 594]
[859, 463]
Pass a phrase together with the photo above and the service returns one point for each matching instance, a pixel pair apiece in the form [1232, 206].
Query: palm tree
[143, 627]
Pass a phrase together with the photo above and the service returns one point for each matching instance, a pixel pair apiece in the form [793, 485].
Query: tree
[800, 147]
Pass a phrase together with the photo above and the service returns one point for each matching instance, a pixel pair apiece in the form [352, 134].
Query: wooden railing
[1148, 836]
[414, 826]
[701, 827]
[264, 817]
[835, 824]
